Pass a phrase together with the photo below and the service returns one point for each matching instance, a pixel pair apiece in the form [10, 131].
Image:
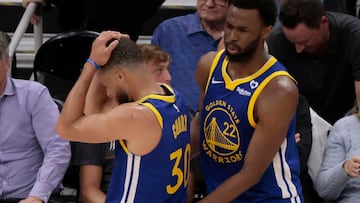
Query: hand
[34, 18]
[297, 137]
[101, 53]
[32, 199]
[352, 166]
[25, 3]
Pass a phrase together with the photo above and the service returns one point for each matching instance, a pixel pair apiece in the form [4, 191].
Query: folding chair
[57, 64]
[59, 61]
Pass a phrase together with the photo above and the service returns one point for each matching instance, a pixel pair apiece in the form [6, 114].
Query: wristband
[93, 63]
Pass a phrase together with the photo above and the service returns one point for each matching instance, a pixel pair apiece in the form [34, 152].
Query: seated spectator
[186, 38]
[34, 158]
[99, 15]
[321, 50]
[96, 161]
[338, 178]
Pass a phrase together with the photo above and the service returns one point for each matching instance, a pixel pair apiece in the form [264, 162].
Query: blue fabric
[33, 157]
[185, 40]
[226, 131]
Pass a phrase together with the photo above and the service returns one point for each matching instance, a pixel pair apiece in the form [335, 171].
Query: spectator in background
[321, 50]
[186, 38]
[98, 15]
[338, 178]
[96, 161]
[34, 158]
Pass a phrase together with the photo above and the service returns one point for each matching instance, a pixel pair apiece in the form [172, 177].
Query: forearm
[74, 105]
[331, 182]
[232, 187]
[90, 183]
[195, 135]
[56, 161]
[304, 127]
[92, 194]
[97, 100]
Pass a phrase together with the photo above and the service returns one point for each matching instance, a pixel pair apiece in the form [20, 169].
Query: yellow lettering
[179, 126]
[223, 159]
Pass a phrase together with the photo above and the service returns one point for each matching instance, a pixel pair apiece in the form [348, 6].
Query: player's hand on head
[104, 44]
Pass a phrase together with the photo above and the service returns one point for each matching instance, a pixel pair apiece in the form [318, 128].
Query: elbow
[60, 130]
[325, 190]
[253, 175]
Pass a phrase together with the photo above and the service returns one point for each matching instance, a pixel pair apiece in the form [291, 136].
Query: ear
[7, 62]
[119, 73]
[266, 31]
[324, 21]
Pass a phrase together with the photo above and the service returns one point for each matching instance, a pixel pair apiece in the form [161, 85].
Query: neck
[145, 87]
[326, 40]
[3, 85]
[247, 66]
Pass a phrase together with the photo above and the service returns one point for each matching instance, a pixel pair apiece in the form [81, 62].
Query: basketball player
[151, 129]
[247, 144]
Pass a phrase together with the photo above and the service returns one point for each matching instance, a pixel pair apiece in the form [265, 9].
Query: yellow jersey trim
[232, 84]
[123, 145]
[166, 98]
[156, 112]
[213, 66]
[257, 92]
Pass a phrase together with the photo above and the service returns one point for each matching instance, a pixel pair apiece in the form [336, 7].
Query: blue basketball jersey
[227, 125]
[160, 176]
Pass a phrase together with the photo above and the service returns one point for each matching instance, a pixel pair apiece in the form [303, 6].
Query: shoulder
[29, 87]
[283, 86]
[345, 25]
[178, 20]
[346, 122]
[132, 111]
[203, 67]
[280, 92]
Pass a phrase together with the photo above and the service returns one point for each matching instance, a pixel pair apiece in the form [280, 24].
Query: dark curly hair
[126, 54]
[267, 9]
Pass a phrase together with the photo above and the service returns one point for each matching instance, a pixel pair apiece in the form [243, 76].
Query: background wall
[11, 12]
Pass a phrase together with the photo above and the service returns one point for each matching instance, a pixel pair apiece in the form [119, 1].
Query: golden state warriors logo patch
[222, 138]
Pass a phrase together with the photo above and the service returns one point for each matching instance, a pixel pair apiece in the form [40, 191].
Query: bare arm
[73, 109]
[201, 76]
[90, 184]
[271, 129]
[97, 101]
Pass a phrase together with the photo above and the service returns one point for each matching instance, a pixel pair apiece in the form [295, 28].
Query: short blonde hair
[154, 53]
